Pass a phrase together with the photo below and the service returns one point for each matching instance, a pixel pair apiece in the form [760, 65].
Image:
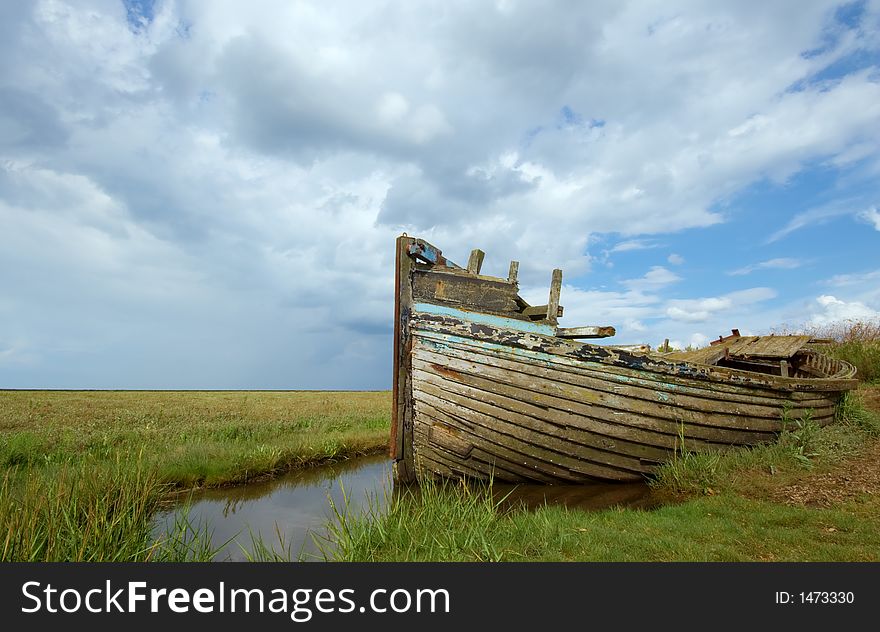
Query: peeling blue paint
[487, 319]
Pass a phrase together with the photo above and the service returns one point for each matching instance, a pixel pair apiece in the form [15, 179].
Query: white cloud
[698, 340]
[858, 287]
[871, 278]
[633, 244]
[782, 263]
[817, 216]
[675, 259]
[701, 309]
[832, 309]
[657, 277]
[871, 216]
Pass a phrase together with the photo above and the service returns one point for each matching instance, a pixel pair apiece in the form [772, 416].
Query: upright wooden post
[555, 289]
[512, 273]
[401, 448]
[476, 261]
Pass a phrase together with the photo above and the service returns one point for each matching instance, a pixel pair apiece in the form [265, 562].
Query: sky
[206, 194]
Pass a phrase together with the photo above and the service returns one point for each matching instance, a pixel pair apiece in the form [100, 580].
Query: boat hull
[496, 398]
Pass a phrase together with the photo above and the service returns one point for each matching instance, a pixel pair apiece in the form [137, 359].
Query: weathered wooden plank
[606, 449]
[543, 449]
[609, 420]
[485, 468]
[585, 332]
[706, 355]
[450, 439]
[682, 372]
[445, 407]
[539, 312]
[638, 397]
[661, 381]
[530, 460]
[612, 425]
[772, 347]
[421, 250]
[453, 409]
[438, 461]
[639, 348]
[478, 320]
[465, 291]
[512, 272]
[475, 262]
[401, 413]
[430, 468]
[555, 289]
[482, 463]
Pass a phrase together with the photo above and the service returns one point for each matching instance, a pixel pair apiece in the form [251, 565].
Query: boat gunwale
[633, 360]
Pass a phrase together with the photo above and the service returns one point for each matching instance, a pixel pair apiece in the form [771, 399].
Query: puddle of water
[297, 505]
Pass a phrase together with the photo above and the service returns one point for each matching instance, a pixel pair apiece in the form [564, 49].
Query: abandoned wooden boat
[486, 385]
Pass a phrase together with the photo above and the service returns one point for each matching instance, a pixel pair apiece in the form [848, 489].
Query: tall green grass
[91, 512]
[439, 521]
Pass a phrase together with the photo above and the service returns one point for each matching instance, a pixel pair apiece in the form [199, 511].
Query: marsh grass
[84, 473]
[91, 511]
[192, 438]
[437, 521]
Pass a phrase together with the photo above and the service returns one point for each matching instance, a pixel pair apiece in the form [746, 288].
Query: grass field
[84, 471]
[191, 437]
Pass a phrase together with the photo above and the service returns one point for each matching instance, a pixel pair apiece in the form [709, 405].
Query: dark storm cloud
[28, 123]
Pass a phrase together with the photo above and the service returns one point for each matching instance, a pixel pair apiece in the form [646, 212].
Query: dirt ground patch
[847, 480]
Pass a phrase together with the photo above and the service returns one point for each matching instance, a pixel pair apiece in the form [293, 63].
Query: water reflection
[289, 511]
[286, 510]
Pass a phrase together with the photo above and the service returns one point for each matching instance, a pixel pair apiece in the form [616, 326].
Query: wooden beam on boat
[539, 312]
[640, 348]
[555, 289]
[475, 262]
[585, 332]
[422, 250]
[465, 290]
[401, 448]
[513, 272]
